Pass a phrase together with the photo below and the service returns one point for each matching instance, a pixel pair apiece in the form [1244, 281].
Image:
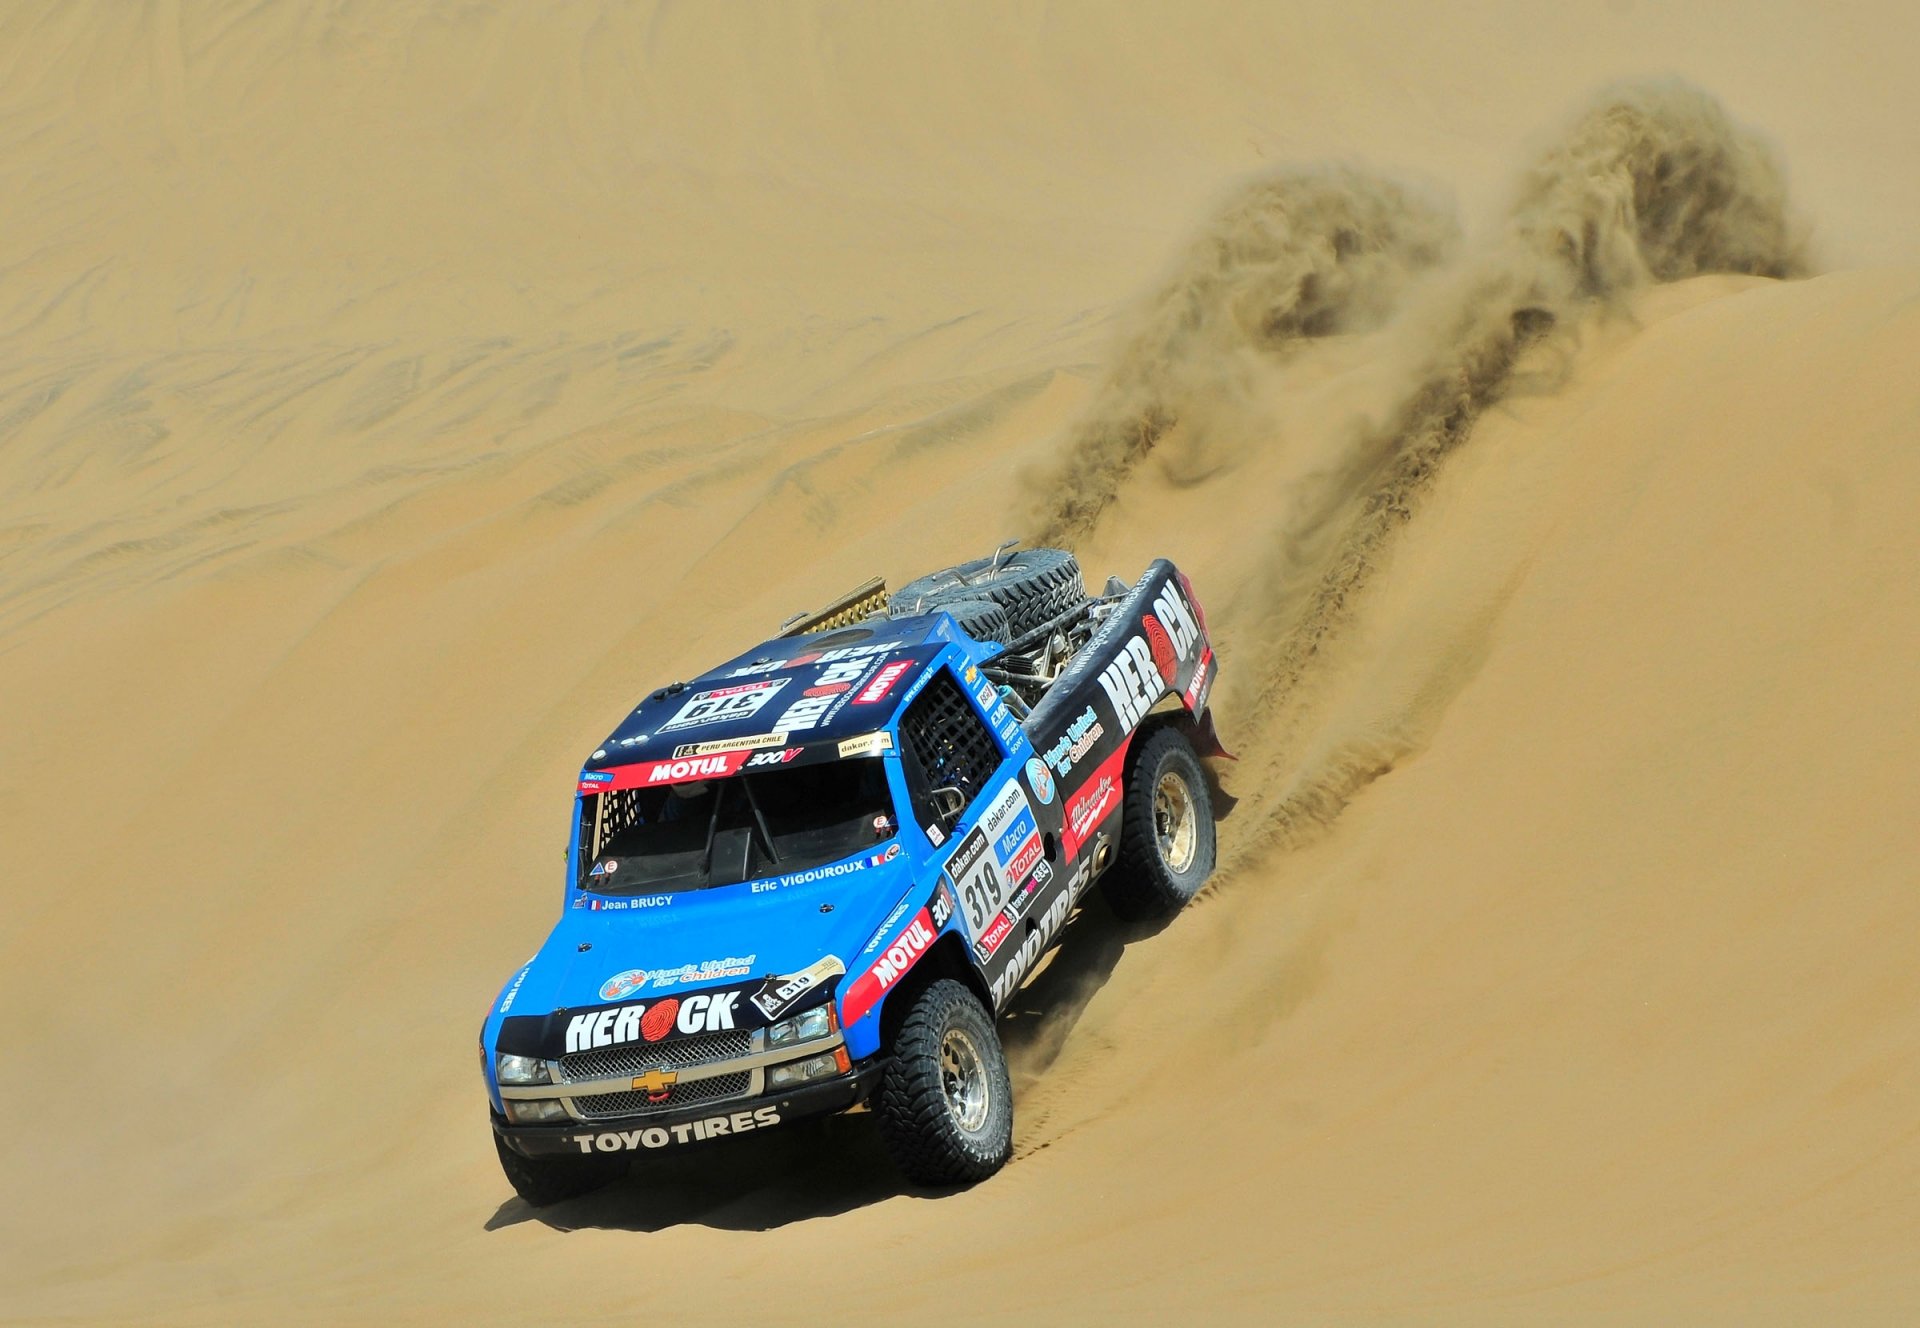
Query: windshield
[720, 832]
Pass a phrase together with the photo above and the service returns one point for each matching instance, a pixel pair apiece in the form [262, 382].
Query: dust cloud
[1653, 182]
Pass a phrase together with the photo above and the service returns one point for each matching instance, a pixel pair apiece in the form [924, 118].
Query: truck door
[997, 822]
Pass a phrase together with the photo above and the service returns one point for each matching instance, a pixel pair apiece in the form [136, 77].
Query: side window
[602, 817]
[943, 744]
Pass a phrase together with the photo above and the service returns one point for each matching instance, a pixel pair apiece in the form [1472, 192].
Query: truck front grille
[677, 1054]
[604, 1106]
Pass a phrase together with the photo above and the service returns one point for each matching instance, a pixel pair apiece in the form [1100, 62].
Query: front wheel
[548, 1180]
[1166, 830]
[945, 1103]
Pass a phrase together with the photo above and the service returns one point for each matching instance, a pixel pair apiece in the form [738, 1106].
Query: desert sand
[389, 394]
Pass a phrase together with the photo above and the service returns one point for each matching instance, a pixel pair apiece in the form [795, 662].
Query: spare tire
[1034, 586]
[981, 619]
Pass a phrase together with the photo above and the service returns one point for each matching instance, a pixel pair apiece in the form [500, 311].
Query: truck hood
[608, 949]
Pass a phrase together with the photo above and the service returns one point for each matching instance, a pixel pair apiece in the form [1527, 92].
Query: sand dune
[386, 398]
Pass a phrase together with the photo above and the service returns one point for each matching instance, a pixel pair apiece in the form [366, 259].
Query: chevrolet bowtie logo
[655, 1081]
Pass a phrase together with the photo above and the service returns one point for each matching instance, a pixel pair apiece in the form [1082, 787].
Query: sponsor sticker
[664, 1136]
[1007, 725]
[867, 744]
[677, 771]
[623, 984]
[812, 874]
[708, 970]
[1160, 645]
[695, 767]
[1041, 780]
[834, 656]
[506, 1001]
[1132, 681]
[941, 906]
[1009, 917]
[778, 995]
[1196, 695]
[997, 931]
[1176, 623]
[759, 759]
[1085, 730]
[889, 968]
[723, 705]
[1032, 948]
[601, 904]
[885, 929]
[995, 857]
[1090, 804]
[883, 682]
[729, 744]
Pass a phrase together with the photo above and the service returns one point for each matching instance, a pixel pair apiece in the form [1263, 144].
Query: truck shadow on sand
[833, 1165]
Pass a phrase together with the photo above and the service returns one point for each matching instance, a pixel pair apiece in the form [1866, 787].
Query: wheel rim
[1175, 824]
[963, 1078]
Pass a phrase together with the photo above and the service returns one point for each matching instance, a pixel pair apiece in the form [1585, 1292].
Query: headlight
[520, 1069]
[823, 1066]
[815, 1023]
[529, 1111]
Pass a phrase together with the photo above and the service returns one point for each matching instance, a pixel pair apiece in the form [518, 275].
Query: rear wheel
[1166, 830]
[945, 1103]
[548, 1180]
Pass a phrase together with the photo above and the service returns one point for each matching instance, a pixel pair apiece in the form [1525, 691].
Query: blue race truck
[811, 878]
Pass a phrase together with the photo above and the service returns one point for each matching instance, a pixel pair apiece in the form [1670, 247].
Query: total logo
[660, 1136]
[702, 1012]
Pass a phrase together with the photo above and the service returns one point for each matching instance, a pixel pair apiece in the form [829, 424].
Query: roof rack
[863, 601]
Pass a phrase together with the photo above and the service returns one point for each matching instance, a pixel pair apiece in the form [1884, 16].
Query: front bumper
[696, 1124]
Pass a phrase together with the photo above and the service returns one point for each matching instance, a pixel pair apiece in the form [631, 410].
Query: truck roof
[824, 687]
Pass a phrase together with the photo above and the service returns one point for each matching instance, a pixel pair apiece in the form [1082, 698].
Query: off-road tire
[1034, 586]
[1156, 872]
[920, 1121]
[981, 619]
[547, 1180]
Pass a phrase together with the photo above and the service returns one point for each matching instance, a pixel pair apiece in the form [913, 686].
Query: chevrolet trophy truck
[811, 878]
